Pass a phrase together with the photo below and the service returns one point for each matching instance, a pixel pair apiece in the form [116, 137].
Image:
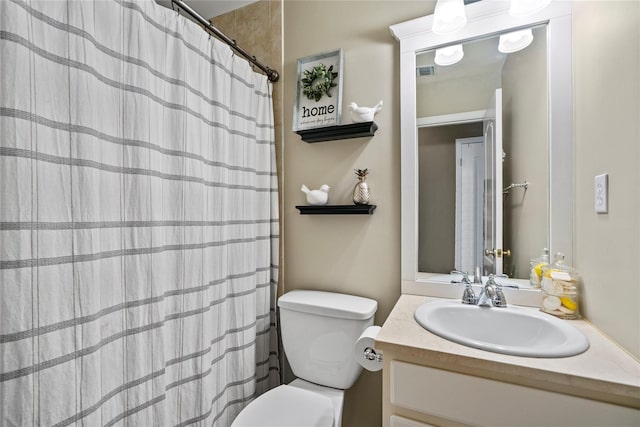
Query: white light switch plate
[602, 193]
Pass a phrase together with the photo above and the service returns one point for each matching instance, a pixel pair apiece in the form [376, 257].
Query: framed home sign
[319, 94]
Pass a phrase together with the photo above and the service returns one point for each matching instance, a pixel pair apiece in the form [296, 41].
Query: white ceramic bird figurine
[318, 197]
[364, 114]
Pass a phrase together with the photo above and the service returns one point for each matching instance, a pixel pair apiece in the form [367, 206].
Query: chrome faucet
[477, 277]
[491, 294]
[468, 296]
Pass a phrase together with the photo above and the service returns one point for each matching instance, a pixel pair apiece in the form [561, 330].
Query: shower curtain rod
[271, 74]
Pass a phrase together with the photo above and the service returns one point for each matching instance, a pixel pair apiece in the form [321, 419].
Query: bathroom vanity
[428, 380]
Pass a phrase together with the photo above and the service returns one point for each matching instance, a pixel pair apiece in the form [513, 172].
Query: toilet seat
[287, 406]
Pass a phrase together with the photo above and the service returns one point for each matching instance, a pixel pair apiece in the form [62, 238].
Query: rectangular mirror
[536, 134]
[459, 224]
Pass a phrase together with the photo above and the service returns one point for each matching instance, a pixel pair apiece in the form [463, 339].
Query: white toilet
[319, 330]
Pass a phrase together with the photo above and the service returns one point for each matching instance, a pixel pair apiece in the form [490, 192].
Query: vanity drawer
[479, 401]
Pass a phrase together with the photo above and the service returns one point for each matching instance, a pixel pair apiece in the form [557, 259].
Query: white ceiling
[211, 8]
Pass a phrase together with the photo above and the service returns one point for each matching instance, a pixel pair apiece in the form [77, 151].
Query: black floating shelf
[337, 210]
[331, 133]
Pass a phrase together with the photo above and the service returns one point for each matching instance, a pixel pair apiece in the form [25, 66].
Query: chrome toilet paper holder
[370, 354]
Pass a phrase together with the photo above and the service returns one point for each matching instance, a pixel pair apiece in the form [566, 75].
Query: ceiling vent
[425, 70]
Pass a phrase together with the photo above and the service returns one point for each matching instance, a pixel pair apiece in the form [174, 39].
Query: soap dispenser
[535, 266]
[560, 289]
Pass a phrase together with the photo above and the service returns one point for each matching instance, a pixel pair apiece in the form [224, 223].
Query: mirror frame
[484, 19]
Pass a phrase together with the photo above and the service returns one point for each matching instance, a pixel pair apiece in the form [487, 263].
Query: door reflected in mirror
[467, 158]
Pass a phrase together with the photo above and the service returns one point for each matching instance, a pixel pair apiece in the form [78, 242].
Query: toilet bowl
[298, 404]
[319, 330]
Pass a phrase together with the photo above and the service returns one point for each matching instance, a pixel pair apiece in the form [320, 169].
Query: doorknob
[498, 253]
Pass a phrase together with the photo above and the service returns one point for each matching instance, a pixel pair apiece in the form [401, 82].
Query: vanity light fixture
[515, 41]
[449, 16]
[527, 7]
[449, 55]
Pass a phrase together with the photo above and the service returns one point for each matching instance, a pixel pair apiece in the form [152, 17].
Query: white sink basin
[511, 330]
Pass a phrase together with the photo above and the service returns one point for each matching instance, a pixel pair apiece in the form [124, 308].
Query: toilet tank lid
[329, 304]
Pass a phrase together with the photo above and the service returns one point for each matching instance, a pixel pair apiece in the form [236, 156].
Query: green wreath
[318, 81]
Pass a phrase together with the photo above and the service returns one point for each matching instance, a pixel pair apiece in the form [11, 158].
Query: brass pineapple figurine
[361, 192]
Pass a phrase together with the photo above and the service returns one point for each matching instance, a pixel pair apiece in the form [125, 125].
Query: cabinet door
[479, 401]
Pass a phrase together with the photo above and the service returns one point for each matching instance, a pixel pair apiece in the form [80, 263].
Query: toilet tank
[319, 330]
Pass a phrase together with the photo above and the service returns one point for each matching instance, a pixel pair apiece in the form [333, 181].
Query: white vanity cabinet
[465, 399]
[428, 380]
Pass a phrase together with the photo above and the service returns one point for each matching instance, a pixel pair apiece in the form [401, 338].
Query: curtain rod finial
[273, 75]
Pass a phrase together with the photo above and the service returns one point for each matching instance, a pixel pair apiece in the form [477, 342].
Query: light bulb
[515, 41]
[449, 16]
[449, 55]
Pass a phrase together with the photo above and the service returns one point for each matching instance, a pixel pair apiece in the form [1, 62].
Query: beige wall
[607, 139]
[606, 58]
[456, 95]
[466, 86]
[525, 144]
[437, 196]
[352, 254]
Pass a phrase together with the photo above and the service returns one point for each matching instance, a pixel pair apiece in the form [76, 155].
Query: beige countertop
[604, 372]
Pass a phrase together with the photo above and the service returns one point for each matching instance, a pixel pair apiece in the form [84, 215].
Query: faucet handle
[465, 276]
[468, 296]
[498, 299]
